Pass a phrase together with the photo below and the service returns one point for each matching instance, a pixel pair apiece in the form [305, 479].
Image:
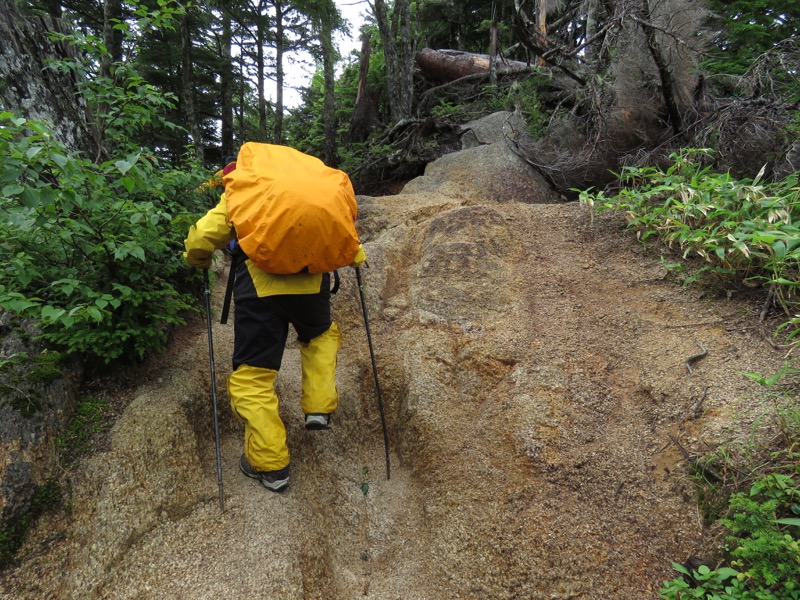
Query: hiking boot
[274, 481]
[318, 421]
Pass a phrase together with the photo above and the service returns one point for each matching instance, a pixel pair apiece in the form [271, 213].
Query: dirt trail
[533, 367]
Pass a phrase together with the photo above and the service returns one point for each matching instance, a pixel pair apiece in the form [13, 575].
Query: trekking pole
[374, 368]
[207, 293]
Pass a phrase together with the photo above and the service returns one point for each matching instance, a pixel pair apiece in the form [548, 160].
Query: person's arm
[210, 233]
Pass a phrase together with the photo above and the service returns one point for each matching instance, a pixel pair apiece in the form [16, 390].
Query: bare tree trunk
[493, 50]
[406, 65]
[112, 38]
[226, 80]
[241, 100]
[668, 87]
[399, 65]
[591, 29]
[261, 76]
[261, 70]
[329, 107]
[33, 90]
[365, 112]
[187, 87]
[392, 61]
[541, 25]
[279, 74]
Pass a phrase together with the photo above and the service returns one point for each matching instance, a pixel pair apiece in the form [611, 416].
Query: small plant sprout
[364, 482]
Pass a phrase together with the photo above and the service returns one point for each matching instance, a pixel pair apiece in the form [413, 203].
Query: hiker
[265, 305]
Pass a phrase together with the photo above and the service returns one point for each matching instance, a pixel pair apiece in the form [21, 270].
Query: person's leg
[320, 339]
[259, 338]
[318, 359]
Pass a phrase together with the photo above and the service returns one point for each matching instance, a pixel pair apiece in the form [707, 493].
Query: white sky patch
[299, 74]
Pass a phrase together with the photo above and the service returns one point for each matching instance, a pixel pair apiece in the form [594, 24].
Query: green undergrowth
[745, 231]
[92, 239]
[22, 377]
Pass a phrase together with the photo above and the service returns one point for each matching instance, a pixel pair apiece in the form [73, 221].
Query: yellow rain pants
[254, 401]
[318, 358]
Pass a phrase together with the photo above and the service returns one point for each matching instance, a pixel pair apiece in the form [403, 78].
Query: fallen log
[449, 65]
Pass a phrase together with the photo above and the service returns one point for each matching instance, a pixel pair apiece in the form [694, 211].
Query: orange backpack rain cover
[291, 212]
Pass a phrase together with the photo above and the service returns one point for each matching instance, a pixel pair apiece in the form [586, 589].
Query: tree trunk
[668, 89]
[541, 25]
[365, 113]
[493, 49]
[226, 88]
[112, 38]
[33, 90]
[187, 88]
[449, 65]
[329, 107]
[279, 75]
[261, 70]
[399, 68]
[406, 65]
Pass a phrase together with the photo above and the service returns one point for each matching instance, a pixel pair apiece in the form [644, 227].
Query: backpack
[291, 212]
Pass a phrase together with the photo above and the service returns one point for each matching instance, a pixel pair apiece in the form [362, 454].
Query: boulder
[487, 167]
[37, 394]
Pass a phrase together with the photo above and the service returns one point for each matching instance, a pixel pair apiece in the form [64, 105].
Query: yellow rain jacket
[215, 231]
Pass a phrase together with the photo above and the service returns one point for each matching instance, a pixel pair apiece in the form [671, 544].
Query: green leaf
[29, 198]
[95, 314]
[138, 252]
[795, 522]
[59, 159]
[13, 189]
[128, 183]
[51, 313]
[726, 573]
[680, 568]
[19, 305]
[125, 165]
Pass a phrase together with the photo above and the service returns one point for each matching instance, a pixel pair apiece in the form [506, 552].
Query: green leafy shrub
[92, 245]
[744, 230]
[763, 546]
[93, 250]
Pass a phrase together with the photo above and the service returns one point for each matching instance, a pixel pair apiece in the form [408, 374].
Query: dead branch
[707, 471]
[694, 358]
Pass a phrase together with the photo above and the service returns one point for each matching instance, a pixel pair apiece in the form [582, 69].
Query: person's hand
[199, 259]
[360, 257]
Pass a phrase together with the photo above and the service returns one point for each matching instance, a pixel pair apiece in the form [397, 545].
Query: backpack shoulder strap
[237, 257]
